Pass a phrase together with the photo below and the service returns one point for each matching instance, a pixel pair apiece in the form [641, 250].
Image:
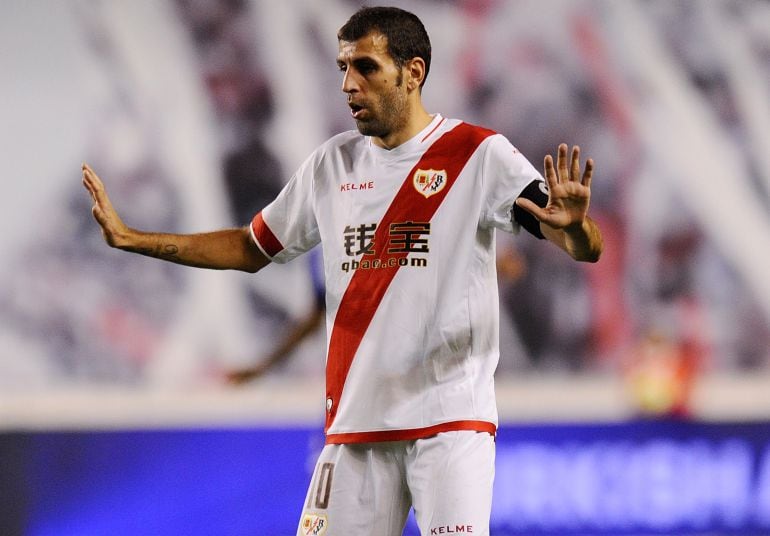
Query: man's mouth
[356, 110]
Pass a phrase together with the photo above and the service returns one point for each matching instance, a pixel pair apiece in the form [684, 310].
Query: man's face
[374, 85]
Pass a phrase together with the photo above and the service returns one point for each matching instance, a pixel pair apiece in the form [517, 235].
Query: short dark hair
[405, 32]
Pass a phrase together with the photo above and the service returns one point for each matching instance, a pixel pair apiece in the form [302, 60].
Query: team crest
[429, 181]
[313, 525]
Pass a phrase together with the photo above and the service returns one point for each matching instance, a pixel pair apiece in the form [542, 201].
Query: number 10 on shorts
[321, 490]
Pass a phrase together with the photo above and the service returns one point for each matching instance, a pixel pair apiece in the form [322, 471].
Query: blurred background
[634, 393]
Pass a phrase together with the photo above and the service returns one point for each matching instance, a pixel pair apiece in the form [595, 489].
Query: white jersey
[409, 262]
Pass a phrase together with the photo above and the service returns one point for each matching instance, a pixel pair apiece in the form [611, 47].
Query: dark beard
[392, 116]
[375, 129]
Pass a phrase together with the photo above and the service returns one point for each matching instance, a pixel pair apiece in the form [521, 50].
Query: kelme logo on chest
[429, 182]
[357, 186]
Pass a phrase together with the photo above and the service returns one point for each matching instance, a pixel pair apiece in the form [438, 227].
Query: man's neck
[417, 122]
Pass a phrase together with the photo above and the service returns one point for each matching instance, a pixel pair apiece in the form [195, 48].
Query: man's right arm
[228, 249]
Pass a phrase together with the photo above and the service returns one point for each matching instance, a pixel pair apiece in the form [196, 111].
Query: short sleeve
[506, 172]
[287, 227]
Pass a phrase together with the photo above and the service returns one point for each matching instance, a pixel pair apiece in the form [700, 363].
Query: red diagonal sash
[367, 287]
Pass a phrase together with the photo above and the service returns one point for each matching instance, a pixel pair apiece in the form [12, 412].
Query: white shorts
[368, 488]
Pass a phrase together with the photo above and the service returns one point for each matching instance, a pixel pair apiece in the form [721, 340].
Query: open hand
[113, 228]
[569, 192]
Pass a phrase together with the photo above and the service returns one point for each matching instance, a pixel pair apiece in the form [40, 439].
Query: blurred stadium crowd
[196, 112]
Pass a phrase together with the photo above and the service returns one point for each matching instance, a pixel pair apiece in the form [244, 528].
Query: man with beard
[406, 209]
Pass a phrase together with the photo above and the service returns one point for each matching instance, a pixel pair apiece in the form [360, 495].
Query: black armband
[537, 192]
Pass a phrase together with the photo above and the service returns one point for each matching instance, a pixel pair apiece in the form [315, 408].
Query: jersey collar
[416, 143]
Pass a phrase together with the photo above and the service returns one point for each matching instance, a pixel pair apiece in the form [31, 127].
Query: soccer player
[405, 209]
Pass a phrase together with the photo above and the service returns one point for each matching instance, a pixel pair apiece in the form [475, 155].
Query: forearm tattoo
[168, 252]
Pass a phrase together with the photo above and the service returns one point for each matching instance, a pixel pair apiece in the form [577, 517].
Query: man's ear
[415, 73]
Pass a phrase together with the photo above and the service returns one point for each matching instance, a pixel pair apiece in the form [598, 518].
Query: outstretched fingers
[567, 169]
[550, 172]
[102, 210]
[91, 182]
[574, 172]
[562, 163]
[87, 181]
[588, 173]
[94, 185]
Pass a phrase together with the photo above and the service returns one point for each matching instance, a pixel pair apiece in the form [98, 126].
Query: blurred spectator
[298, 331]
[498, 68]
[661, 376]
[224, 40]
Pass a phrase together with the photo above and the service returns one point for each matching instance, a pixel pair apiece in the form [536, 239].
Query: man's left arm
[564, 219]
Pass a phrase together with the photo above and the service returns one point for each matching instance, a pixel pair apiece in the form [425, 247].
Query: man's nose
[349, 84]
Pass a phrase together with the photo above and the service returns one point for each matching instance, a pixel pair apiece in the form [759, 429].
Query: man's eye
[366, 68]
[342, 67]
